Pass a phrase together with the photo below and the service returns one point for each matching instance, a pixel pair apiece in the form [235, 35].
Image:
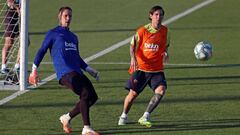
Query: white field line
[111, 48]
[169, 64]
[190, 10]
[11, 97]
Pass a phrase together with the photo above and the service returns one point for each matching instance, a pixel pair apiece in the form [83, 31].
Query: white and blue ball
[203, 50]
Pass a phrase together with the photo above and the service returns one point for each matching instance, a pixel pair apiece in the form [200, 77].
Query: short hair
[61, 9]
[155, 8]
[64, 8]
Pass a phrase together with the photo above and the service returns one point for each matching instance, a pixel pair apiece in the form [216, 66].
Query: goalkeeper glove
[33, 77]
[93, 73]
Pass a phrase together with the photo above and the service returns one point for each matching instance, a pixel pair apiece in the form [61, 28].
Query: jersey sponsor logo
[70, 46]
[151, 47]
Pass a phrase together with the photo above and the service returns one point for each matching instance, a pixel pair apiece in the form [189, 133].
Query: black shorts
[80, 84]
[11, 23]
[11, 30]
[139, 79]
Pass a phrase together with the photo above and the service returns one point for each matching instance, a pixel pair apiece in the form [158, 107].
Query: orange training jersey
[150, 47]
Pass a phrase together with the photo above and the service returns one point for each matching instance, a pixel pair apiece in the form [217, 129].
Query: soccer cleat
[4, 71]
[145, 122]
[65, 120]
[89, 131]
[122, 121]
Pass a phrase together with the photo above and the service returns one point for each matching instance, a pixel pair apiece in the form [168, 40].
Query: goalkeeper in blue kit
[64, 51]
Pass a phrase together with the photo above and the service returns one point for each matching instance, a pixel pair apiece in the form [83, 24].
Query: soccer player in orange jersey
[148, 52]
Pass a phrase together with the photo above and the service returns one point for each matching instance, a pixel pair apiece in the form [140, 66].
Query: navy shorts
[80, 85]
[139, 79]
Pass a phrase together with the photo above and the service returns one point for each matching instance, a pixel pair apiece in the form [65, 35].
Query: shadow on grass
[134, 128]
[205, 78]
[175, 81]
[171, 126]
[118, 102]
[32, 131]
[203, 83]
[189, 66]
[115, 81]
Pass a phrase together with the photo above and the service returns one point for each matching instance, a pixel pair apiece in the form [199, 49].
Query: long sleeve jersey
[63, 47]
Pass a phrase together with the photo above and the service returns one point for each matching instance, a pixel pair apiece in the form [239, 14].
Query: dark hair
[155, 8]
[64, 8]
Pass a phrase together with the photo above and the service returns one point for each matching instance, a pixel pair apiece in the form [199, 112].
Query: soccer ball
[203, 50]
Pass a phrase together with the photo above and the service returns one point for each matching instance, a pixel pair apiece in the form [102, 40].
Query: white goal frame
[24, 45]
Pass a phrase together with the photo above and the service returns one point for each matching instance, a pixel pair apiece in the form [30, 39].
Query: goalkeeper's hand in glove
[93, 73]
[33, 77]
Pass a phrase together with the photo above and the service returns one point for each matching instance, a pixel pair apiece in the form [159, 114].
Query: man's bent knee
[92, 100]
[160, 90]
[132, 94]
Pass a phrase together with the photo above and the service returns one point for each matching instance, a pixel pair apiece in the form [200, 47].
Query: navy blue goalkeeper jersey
[63, 47]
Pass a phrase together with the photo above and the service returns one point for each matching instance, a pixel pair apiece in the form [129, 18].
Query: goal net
[10, 44]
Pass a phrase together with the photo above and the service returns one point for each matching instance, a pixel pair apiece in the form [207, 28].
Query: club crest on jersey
[151, 47]
[70, 46]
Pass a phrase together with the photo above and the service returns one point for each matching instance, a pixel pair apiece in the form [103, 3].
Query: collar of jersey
[150, 28]
[63, 28]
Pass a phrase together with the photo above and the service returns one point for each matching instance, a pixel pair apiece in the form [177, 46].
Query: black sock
[75, 111]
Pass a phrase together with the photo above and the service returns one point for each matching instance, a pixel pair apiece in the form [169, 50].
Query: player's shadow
[119, 102]
[171, 126]
[204, 80]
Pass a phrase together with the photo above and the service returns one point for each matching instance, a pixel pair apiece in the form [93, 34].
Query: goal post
[24, 45]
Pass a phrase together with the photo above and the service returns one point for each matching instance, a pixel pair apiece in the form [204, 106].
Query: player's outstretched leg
[65, 120]
[123, 119]
[154, 102]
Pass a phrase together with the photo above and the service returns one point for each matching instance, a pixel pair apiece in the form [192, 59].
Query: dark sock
[85, 112]
[75, 111]
[84, 106]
